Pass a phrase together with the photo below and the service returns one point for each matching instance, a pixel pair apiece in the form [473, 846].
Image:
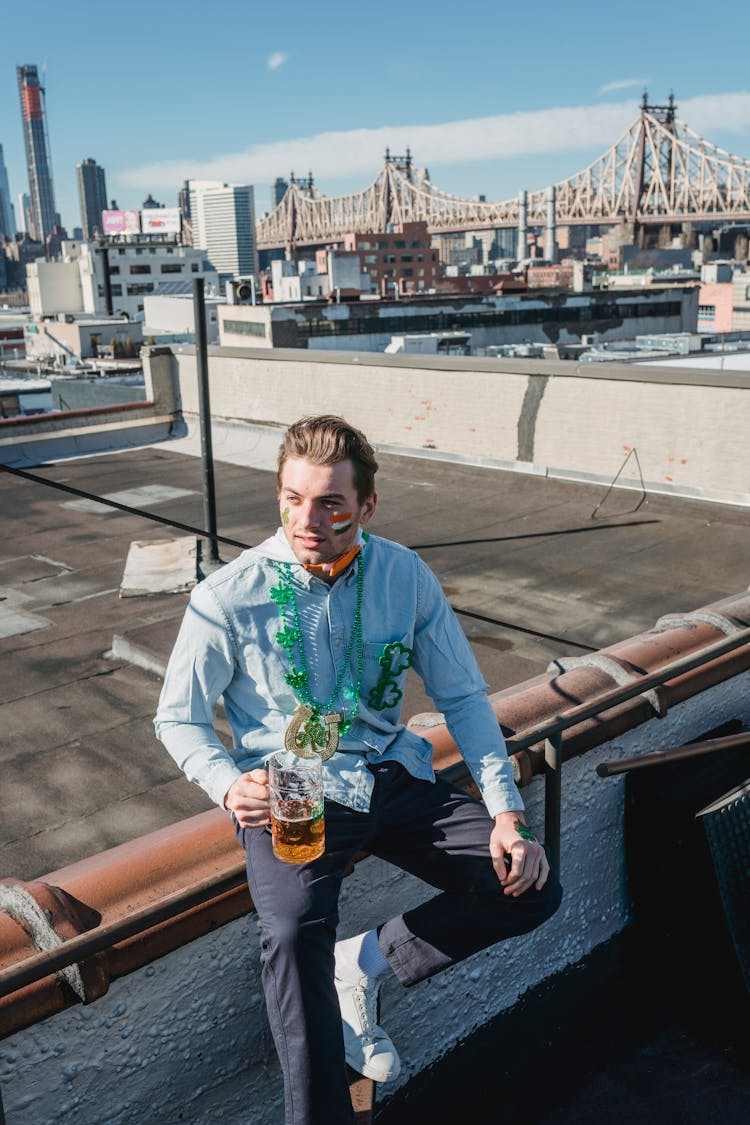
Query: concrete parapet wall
[31, 439]
[688, 427]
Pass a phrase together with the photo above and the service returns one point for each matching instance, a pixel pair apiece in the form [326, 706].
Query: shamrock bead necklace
[307, 735]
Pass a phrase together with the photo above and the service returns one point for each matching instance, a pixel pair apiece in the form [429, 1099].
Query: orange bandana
[333, 569]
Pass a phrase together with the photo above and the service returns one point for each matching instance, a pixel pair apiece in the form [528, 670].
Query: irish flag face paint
[341, 522]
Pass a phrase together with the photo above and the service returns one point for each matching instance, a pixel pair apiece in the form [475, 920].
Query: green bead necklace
[315, 729]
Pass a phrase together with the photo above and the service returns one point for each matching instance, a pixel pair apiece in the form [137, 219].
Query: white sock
[360, 956]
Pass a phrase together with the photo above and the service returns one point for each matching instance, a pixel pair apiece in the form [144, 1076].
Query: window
[245, 327]
[117, 291]
[194, 267]
[137, 290]
[114, 269]
[371, 259]
[406, 258]
[382, 246]
[365, 246]
[407, 273]
[171, 267]
[140, 269]
[389, 257]
[706, 312]
[399, 244]
[420, 257]
[120, 252]
[152, 250]
[416, 244]
[388, 273]
[138, 250]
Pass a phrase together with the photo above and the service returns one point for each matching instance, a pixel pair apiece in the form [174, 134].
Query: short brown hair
[326, 439]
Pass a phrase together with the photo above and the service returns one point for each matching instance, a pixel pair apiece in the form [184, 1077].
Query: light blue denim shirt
[227, 647]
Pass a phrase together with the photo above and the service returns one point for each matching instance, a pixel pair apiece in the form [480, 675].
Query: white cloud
[277, 59]
[729, 113]
[359, 152]
[624, 84]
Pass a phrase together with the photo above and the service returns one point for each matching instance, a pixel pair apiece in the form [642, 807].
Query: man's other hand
[519, 863]
[248, 799]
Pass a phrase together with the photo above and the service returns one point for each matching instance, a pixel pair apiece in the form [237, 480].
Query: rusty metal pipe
[662, 757]
[609, 699]
[46, 962]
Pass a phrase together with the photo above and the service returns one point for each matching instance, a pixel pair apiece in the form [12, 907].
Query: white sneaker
[368, 1049]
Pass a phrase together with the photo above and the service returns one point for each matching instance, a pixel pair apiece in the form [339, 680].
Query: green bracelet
[525, 833]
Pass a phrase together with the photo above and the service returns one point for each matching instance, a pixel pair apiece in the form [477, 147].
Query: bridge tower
[654, 159]
[396, 168]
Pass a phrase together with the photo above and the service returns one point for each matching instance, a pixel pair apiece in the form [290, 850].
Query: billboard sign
[121, 222]
[160, 220]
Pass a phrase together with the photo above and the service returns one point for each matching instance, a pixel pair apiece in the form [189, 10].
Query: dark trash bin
[727, 827]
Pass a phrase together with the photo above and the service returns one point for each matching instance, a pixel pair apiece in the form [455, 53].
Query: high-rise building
[183, 202]
[7, 217]
[92, 194]
[278, 191]
[223, 220]
[24, 208]
[43, 214]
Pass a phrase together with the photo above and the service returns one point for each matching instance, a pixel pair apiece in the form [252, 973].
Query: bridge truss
[659, 171]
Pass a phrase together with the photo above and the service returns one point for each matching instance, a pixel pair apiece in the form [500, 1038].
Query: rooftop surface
[533, 577]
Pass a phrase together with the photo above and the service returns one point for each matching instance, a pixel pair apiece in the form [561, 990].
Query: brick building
[401, 259]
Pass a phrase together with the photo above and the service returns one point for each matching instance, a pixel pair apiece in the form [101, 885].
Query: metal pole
[201, 358]
[739, 741]
[553, 800]
[107, 280]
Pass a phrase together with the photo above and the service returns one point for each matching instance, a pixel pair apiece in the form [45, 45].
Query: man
[309, 637]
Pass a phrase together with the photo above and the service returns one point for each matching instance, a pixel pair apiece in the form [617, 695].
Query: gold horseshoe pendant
[308, 748]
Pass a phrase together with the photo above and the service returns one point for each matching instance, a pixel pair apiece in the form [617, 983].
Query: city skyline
[489, 105]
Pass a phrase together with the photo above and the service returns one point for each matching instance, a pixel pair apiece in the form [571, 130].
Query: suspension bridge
[658, 172]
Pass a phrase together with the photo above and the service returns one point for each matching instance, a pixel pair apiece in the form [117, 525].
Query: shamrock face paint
[341, 522]
[285, 516]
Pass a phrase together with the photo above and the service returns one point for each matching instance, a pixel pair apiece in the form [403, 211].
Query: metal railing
[550, 732]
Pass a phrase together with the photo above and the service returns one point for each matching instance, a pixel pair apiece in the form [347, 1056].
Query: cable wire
[25, 475]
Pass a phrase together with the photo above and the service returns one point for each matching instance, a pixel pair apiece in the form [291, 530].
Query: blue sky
[491, 96]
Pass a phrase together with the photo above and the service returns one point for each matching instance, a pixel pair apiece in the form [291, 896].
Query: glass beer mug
[296, 792]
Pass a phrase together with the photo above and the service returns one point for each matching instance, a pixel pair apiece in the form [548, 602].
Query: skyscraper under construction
[43, 213]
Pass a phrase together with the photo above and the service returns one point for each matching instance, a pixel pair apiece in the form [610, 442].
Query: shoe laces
[366, 998]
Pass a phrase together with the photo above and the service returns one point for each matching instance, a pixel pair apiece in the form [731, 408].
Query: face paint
[285, 516]
[341, 522]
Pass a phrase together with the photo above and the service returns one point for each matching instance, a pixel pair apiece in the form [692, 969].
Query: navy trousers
[434, 831]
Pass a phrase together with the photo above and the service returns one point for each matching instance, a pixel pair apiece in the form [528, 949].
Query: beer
[298, 830]
[296, 793]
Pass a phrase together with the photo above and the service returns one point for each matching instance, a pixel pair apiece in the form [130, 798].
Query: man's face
[320, 511]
